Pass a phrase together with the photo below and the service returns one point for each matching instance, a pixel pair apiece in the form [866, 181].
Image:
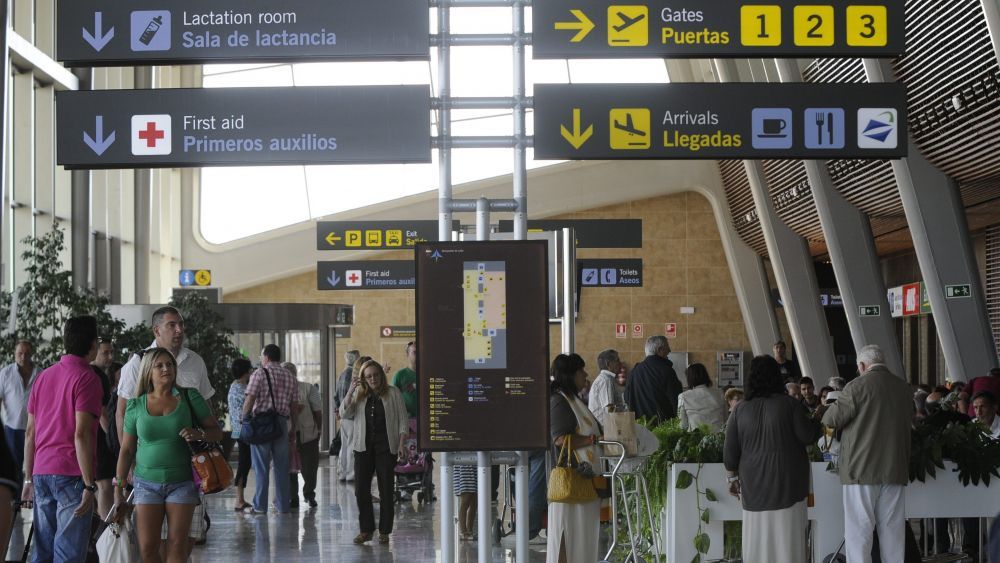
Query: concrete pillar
[753, 291]
[936, 217]
[794, 271]
[991, 10]
[851, 247]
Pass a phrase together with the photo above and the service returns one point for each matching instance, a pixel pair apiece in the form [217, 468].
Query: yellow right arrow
[583, 25]
[576, 138]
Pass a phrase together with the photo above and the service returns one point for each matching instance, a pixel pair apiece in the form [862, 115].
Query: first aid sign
[151, 135]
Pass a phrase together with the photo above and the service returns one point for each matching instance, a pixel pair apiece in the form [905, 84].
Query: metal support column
[851, 246]
[520, 174]
[569, 295]
[793, 269]
[484, 464]
[447, 496]
[79, 241]
[936, 217]
[143, 204]
[520, 192]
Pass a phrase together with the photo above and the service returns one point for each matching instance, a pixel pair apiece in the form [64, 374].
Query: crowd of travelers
[91, 438]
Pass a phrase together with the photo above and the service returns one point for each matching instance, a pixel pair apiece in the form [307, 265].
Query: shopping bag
[619, 426]
[566, 484]
[117, 544]
[210, 467]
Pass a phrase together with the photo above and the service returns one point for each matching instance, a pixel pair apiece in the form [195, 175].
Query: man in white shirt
[16, 380]
[985, 404]
[168, 330]
[604, 392]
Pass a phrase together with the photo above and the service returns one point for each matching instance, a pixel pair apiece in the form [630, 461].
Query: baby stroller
[415, 475]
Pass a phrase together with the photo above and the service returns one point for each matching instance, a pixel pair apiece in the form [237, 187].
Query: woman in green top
[158, 423]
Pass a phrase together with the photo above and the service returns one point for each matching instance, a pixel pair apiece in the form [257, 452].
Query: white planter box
[943, 497]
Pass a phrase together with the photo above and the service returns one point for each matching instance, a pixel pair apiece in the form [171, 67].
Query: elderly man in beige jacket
[873, 417]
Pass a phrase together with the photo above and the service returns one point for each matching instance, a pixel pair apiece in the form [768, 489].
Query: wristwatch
[91, 487]
[732, 478]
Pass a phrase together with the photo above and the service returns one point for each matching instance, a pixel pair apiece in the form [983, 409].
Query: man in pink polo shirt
[60, 447]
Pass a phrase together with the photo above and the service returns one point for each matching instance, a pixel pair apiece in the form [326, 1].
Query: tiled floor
[320, 534]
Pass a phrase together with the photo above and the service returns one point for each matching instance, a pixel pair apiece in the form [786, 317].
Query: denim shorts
[151, 492]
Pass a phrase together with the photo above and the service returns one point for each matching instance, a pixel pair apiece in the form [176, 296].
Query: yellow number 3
[866, 26]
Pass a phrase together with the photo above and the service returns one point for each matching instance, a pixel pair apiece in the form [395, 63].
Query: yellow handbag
[566, 484]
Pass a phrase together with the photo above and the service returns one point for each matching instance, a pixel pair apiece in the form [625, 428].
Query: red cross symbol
[151, 134]
[353, 278]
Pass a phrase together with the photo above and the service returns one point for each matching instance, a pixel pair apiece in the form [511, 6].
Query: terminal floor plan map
[485, 301]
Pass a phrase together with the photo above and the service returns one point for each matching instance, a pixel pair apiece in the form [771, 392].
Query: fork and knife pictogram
[824, 119]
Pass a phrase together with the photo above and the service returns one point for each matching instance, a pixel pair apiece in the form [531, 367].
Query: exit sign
[870, 310]
[957, 291]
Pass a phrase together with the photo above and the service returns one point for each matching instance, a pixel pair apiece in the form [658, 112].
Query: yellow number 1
[760, 26]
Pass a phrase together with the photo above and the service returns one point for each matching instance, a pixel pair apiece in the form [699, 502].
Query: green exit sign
[957, 291]
[870, 310]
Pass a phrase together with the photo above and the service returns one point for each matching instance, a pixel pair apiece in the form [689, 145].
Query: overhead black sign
[365, 274]
[722, 28]
[483, 350]
[590, 233]
[98, 32]
[370, 235]
[713, 121]
[243, 126]
[614, 272]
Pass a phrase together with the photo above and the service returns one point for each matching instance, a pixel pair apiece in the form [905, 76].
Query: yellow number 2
[760, 26]
[813, 26]
[867, 26]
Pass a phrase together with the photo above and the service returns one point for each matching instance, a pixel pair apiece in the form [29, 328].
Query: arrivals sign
[100, 33]
[721, 28]
[365, 274]
[372, 235]
[243, 126]
[713, 121]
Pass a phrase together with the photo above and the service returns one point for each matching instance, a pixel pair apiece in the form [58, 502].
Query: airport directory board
[243, 126]
[483, 346]
[567, 29]
[101, 33]
[719, 121]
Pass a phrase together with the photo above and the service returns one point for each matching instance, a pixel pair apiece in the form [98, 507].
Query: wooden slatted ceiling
[952, 77]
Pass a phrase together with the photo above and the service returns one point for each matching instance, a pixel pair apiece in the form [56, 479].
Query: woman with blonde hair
[158, 424]
[380, 429]
[345, 463]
